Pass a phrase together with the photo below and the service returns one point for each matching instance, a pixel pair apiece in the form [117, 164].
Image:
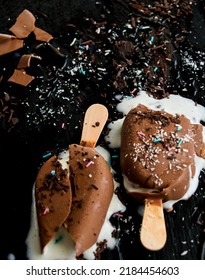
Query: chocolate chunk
[20, 77]
[42, 35]
[25, 60]
[9, 43]
[24, 25]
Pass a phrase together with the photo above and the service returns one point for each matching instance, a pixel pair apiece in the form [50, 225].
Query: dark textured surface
[21, 149]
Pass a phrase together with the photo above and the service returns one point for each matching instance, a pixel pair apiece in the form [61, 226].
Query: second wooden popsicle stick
[153, 230]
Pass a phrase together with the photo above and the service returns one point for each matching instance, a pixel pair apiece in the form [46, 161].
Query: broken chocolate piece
[20, 77]
[25, 60]
[24, 25]
[42, 35]
[9, 43]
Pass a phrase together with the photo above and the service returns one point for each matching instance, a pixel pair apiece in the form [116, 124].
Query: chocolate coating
[53, 199]
[93, 188]
[157, 153]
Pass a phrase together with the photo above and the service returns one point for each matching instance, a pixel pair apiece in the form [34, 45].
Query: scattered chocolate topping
[101, 246]
[53, 198]
[106, 59]
[54, 181]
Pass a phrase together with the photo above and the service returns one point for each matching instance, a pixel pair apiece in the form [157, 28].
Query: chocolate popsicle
[157, 153]
[157, 161]
[86, 184]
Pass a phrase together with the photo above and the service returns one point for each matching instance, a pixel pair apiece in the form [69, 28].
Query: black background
[21, 149]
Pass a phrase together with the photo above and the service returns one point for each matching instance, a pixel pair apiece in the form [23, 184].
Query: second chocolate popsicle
[157, 160]
[157, 153]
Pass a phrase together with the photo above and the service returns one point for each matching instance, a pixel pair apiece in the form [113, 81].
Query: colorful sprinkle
[46, 211]
[118, 215]
[133, 90]
[151, 39]
[179, 142]
[86, 47]
[157, 140]
[140, 133]
[73, 42]
[179, 128]
[128, 97]
[82, 71]
[97, 30]
[81, 48]
[89, 163]
[47, 155]
[115, 156]
[169, 148]
[58, 239]
[155, 69]
[53, 172]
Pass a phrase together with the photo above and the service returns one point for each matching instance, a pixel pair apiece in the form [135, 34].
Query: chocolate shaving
[55, 182]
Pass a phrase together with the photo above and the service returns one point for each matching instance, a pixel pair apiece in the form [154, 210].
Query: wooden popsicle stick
[94, 121]
[153, 230]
